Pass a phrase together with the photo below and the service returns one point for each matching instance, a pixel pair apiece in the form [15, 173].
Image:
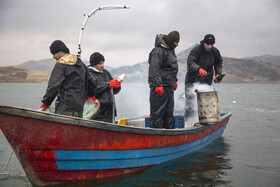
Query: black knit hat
[58, 46]
[96, 58]
[173, 36]
[209, 39]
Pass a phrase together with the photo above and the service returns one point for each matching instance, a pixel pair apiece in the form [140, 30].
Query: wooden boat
[55, 149]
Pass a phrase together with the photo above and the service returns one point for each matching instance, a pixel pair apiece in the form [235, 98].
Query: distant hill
[40, 65]
[259, 69]
[46, 65]
[135, 73]
[18, 74]
[250, 71]
[275, 60]
[236, 70]
[184, 54]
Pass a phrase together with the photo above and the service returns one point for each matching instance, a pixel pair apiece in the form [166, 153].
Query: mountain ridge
[258, 69]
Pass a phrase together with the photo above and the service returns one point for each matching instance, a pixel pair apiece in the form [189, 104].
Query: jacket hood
[94, 69]
[68, 59]
[159, 42]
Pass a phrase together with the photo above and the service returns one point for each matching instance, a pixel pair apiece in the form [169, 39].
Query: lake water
[248, 154]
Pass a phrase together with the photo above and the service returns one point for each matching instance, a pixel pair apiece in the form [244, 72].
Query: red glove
[202, 72]
[115, 83]
[176, 86]
[44, 106]
[217, 77]
[92, 99]
[159, 90]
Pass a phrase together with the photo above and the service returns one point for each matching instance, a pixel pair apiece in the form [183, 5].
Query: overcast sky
[125, 37]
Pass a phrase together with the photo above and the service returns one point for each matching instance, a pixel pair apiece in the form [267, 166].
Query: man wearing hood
[163, 69]
[68, 82]
[203, 61]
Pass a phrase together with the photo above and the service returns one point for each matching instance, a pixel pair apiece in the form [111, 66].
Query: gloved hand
[115, 83]
[202, 72]
[176, 86]
[159, 91]
[92, 99]
[217, 77]
[44, 106]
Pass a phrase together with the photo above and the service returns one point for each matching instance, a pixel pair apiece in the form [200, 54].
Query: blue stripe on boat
[113, 159]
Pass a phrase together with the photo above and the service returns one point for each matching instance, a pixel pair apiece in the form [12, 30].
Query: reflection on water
[205, 167]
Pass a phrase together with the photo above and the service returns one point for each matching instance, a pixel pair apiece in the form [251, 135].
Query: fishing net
[50, 109]
[90, 108]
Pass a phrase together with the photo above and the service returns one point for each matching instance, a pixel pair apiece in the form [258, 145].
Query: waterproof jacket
[163, 67]
[103, 93]
[207, 60]
[69, 83]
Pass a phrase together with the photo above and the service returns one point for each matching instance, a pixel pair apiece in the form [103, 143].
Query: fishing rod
[106, 7]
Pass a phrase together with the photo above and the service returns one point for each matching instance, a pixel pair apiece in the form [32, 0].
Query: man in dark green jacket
[203, 61]
[163, 69]
[68, 82]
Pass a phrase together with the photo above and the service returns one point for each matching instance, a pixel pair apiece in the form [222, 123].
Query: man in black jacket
[203, 61]
[163, 69]
[68, 82]
[106, 86]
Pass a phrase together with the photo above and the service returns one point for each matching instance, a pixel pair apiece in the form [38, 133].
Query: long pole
[106, 7]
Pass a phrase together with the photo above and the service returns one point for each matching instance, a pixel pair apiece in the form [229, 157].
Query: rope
[5, 171]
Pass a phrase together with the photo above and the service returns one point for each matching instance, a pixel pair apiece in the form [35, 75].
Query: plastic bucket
[208, 107]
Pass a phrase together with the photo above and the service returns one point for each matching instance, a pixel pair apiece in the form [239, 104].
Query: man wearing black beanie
[203, 62]
[106, 88]
[163, 69]
[68, 82]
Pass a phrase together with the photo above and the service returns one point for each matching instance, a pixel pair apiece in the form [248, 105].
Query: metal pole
[106, 7]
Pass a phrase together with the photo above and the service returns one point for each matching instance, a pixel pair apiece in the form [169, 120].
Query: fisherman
[202, 61]
[68, 82]
[163, 69]
[106, 88]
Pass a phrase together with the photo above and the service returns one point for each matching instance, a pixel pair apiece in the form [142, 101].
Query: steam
[187, 103]
[133, 100]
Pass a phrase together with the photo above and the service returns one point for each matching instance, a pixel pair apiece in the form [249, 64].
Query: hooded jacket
[207, 60]
[163, 67]
[102, 92]
[69, 83]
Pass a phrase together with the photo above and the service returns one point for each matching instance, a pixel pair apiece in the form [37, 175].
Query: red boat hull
[57, 149]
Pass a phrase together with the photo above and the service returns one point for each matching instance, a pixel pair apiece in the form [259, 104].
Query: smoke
[133, 100]
[186, 103]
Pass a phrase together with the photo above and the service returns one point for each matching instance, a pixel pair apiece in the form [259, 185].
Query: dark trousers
[105, 113]
[161, 108]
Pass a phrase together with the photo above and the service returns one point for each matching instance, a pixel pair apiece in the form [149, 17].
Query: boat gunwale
[75, 121]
